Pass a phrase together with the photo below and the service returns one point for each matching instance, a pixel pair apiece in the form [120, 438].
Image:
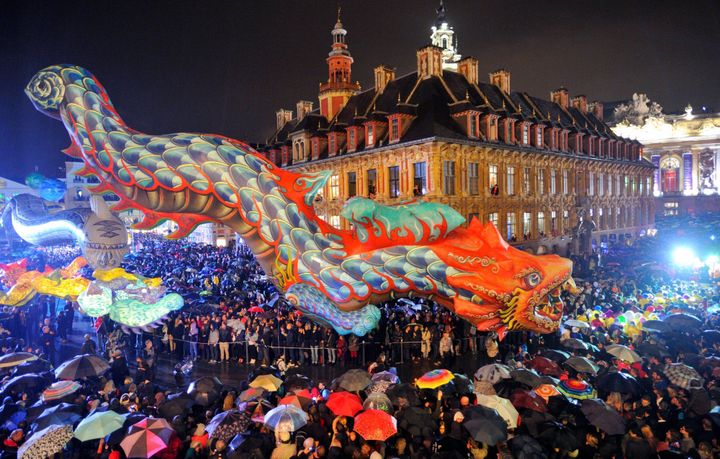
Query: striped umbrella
[16, 358]
[503, 406]
[344, 404]
[146, 438]
[375, 425]
[285, 418]
[434, 379]
[577, 389]
[59, 390]
[82, 366]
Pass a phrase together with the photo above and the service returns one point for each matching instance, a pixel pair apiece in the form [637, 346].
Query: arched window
[445, 42]
[670, 175]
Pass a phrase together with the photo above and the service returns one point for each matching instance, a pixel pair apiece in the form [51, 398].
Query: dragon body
[334, 276]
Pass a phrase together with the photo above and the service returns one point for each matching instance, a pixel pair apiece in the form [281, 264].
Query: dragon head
[500, 287]
[46, 91]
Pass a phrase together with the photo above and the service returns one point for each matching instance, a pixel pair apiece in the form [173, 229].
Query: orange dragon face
[501, 288]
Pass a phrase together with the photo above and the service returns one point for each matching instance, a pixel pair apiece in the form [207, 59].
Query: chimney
[561, 97]
[597, 109]
[383, 76]
[501, 79]
[580, 102]
[429, 61]
[468, 67]
[282, 116]
[303, 108]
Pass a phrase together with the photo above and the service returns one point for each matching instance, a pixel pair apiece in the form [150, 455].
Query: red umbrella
[256, 309]
[529, 400]
[344, 403]
[545, 366]
[375, 425]
[293, 399]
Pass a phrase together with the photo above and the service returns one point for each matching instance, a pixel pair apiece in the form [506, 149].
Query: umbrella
[603, 417]
[711, 336]
[256, 309]
[23, 383]
[582, 365]
[577, 323]
[526, 447]
[205, 391]
[683, 376]
[378, 401]
[573, 343]
[354, 380]
[297, 382]
[555, 355]
[378, 386]
[656, 326]
[257, 409]
[503, 406]
[533, 421]
[461, 385]
[99, 425]
[556, 435]
[528, 377]
[285, 418]
[623, 353]
[415, 421]
[434, 379]
[375, 425]
[16, 358]
[546, 391]
[32, 366]
[654, 349]
[683, 322]
[544, 366]
[528, 400]
[292, 399]
[12, 412]
[46, 442]
[344, 404]
[59, 390]
[392, 378]
[175, 406]
[268, 382]
[146, 438]
[619, 382]
[251, 394]
[82, 366]
[493, 373]
[484, 387]
[485, 425]
[577, 389]
[64, 413]
[227, 424]
[403, 395]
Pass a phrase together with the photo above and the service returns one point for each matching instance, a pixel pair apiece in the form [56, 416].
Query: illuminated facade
[684, 148]
[527, 164]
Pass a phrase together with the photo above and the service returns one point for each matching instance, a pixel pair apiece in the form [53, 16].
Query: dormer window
[538, 136]
[394, 129]
[525, 134]
[332, 143]
[351, 139]
[370, 134]
[472, 125]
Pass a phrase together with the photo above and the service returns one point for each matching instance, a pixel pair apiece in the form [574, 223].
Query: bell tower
[339, 87]
[443, 36]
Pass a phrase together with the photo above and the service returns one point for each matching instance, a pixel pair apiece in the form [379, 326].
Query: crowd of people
[634, 372]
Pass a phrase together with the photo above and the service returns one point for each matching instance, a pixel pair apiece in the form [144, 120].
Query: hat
[199, 430]
[125, 399]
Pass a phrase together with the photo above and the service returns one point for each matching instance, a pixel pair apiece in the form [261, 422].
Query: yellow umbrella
[268, 382]
[503, 406]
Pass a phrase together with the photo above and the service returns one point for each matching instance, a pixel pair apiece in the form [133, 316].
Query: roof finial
[440, 12]
[339, 11]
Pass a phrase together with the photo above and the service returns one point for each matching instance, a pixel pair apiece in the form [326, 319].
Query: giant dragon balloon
[333, 276]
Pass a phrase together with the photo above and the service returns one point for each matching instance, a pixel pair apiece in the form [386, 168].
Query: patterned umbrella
[574, 388]
[99, 425]
[378, 386]
[251, 394]
[16, 358]
[82, 366]
[46, 442]
[268, 382]
[623, 353]
[546, 391]
[392, 378]
[61, 414]
[227, 424]
[205, 391]
[683, 376]
[146, 438]
[59, 390]
[375, 425]
[378, 401]
[493, 373]
[285, 418]
[434, 379]
[503, 406]
[582, 365]
[344, 404]
[257, 409]
[603, 417]
[354, 380]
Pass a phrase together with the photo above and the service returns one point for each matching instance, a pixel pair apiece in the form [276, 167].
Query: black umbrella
[415, 421]
[205, 390]
[30, 383]
[82, 366]
[711, 336]
[657, 326]
[619, 382]
[582, 365]
[683, 322]
[403, 395]
[460, 385]
[533, 420]
[652, 349]
[556, 435]
[555, 355]
[64, 413]
[526, 447]
[33, 366]
[297, 382]
[572, 343]
[175, 407]
[353, 380]
[530, 378]
[485, 425]
[16, 358]
[605, 418]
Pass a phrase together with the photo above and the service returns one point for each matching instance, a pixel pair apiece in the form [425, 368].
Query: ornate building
[529, 165]
[685, 149]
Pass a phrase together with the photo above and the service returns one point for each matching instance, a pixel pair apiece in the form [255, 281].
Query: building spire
[440, 10]
[443, 36]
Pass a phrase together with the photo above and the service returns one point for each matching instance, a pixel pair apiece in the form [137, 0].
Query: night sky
[226, 66]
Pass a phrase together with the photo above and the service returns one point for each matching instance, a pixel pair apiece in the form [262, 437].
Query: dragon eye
[533, 279]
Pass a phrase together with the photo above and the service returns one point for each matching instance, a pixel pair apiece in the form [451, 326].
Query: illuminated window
[565, 182]
[541, 223]
[510, 180]
[601, 184]
[473, 125]
[372, 182]
[493, 218]
[492, 174]
[526, 181]
[370, 134]
[473, 179]
[352, 184]
[510, 226]
[553, 222]
[449, 177]
[591, 184]
[527, 223]
[351, 139]
[553, 178]
[539, 137]
[334, 187]
[394, 129]
[331, 144]
[610, 185]
[566, 219]
[525, 134]
[541, 181]
[420, 179]
[394, 181]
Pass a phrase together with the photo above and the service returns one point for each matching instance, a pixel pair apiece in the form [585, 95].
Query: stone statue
[706, 169]
[638, 110]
